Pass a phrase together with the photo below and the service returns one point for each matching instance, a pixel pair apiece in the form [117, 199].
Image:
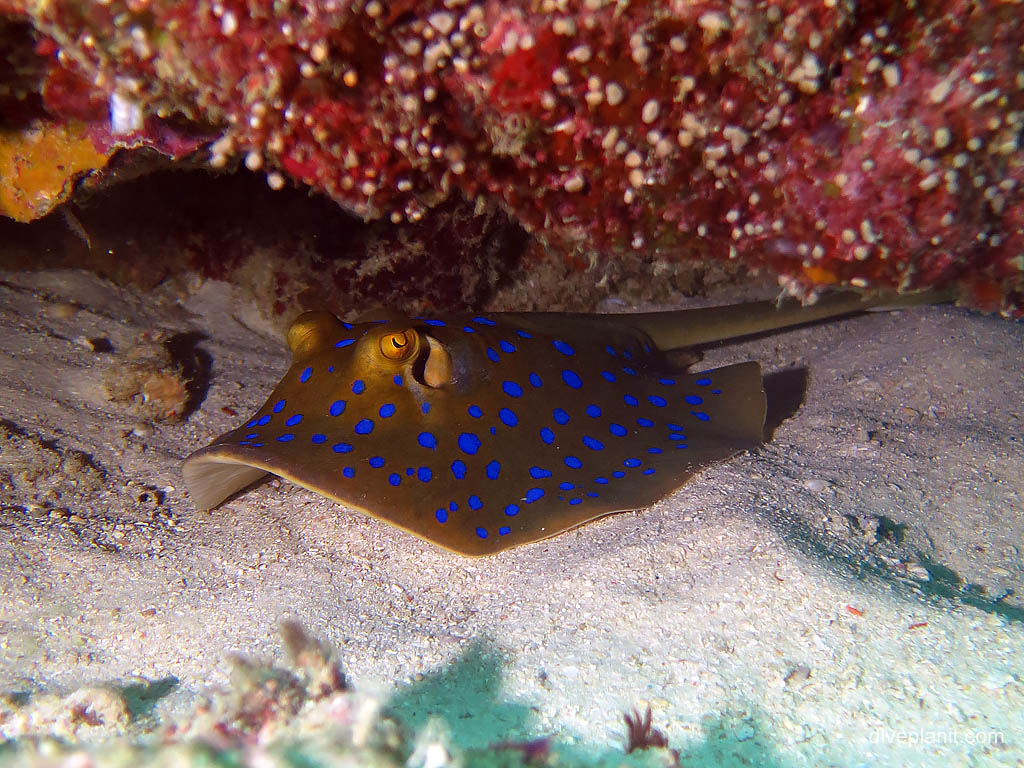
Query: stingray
[481, 432]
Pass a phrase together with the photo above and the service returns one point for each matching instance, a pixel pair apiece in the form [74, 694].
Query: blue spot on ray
[492, 355]
[318, 438]
[425, 407]
[345, 342]
[561, 417]
[459, 469]
[397, 379]
[566, 486]
[547, 436]
[701, 415]
[484, 321]
[537, 473]
[262, 421]
[523, 334]
[632, 463]
[693, 399]
[508, 417]
[592, 444]
[278, 406]
[608, 376]
[617, 429]
[337, 408]
[702, 382]
[376, 462]
[656, 401]
[474, 502]
[667, 382]
[424, 474]
[481, 532]
[427, 440]
[512, 510]
[343, 448]
[572, 379]
[630, 400]
[493, 469]
[348, 472]
[593, 411]
[475, 411]
[441, 515]
[535, 380]
[512, 389]
[507, 347]
[395, 479]
[564, 348]
[358, 386]
[504, 530]
[286, 437]
[364, 426]
[645, 422]
[533, 494]
[437, 323]
[387, 410]
[469, 443]
[306, 373]
[572, 462]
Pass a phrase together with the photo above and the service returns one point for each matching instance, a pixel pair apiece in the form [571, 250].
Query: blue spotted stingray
[483, 432]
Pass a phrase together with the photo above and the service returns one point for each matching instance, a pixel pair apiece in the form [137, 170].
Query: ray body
[483, 432]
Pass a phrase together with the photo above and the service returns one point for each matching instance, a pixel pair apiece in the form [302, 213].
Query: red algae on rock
[833, 143]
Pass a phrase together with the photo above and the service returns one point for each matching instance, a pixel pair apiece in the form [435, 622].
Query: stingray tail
[692, 327]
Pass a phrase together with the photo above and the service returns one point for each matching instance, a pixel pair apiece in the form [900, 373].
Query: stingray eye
[398, 346]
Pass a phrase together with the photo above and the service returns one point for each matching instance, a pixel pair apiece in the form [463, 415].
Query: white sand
[701, 606]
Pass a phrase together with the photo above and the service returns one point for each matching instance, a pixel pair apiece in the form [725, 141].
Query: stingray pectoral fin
[740, 415]
[215, 473]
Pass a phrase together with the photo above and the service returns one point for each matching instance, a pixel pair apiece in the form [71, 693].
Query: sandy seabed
[850, 594]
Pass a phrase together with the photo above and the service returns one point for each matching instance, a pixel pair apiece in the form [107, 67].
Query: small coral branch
[641, 734]
[316, 660]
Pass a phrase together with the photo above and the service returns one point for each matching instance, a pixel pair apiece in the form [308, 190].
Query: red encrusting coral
[833, 142]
